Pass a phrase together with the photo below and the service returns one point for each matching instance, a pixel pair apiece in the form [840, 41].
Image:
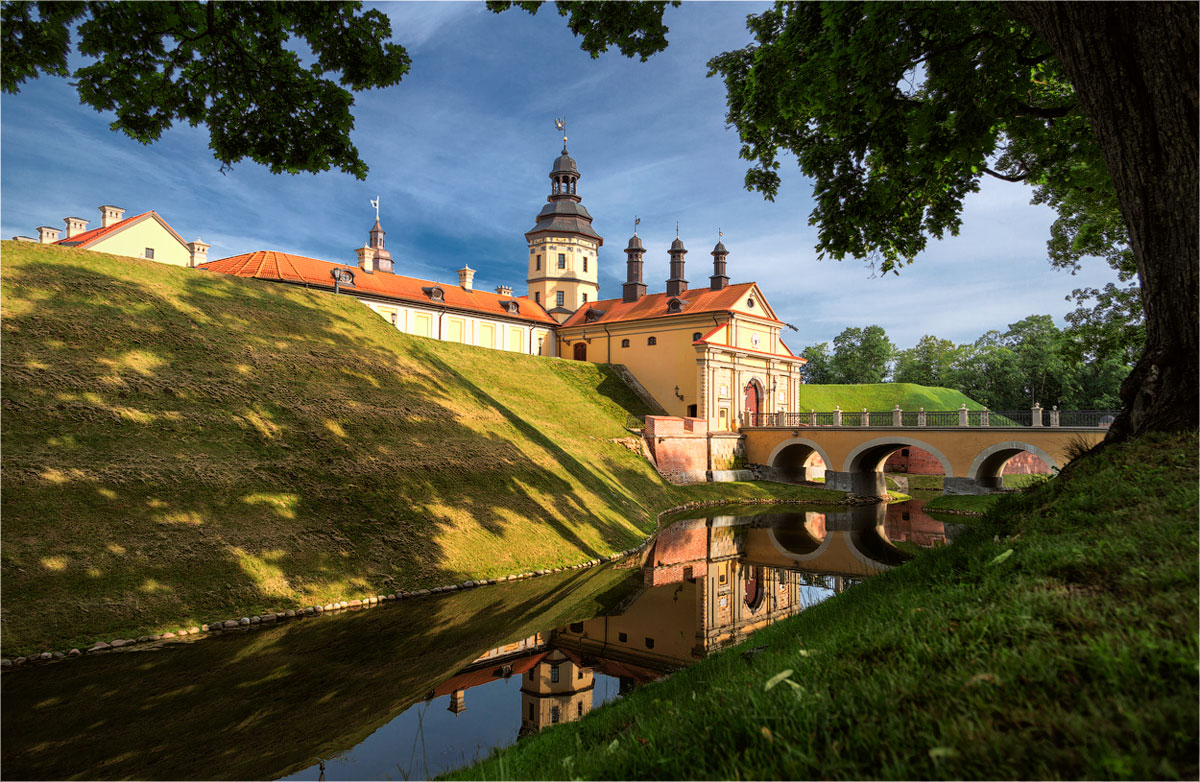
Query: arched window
[624, 343]
[696, 336]
[755, 588]
[652, 341]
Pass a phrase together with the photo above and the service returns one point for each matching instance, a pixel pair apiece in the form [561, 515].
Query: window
[691, 411]
[537, 297]
[577, 627]
[553, 673]
[585, 298]
[696, 336]
[624, 343]
[539, 263]
[904, 452]
[649, 643]
[560, 297]
[622, 638]
[652, 341]
[150, 253]
[721, 579]
[585, 263]
[554, 715]
[750, 303]
[562, 260]
[674, 305]
[530, 674]
[579, 711]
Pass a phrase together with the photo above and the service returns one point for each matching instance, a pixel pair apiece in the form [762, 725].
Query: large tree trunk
[1134, 67]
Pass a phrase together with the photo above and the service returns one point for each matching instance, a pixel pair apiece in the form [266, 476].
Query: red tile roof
[465, 681]
[96, 234]
[654, 305]
[283, 267]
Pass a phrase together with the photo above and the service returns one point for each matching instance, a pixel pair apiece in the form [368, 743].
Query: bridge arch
[792, 458]
[988, 467]
[870, 455]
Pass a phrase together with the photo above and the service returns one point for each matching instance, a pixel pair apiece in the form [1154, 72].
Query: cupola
[719, 279]
[634, 288]
[676, 285]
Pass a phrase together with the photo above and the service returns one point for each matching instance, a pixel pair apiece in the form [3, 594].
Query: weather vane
[561, 124]
[375, 203]
[719, 234]
[636, 222]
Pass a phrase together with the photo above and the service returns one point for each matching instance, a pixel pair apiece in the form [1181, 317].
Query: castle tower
[719, 279]
[563, 247]
[634, 288]
[677, 284]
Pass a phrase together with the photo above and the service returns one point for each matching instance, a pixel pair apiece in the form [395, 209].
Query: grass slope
[181, 447]
[883, 396]
[1056, 638]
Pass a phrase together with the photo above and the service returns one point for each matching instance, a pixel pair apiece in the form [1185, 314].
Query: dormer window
[342, 277]
[674, 305]
[592, 315]
[435, 294]
[511, 306]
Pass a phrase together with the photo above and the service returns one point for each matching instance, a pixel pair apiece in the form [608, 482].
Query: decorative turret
[634, 288]
[563, 247]
[719, 280]
[373, 256]
[676, 285]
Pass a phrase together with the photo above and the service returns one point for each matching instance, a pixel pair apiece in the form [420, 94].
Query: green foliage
[229, 66]
[819, 369]
[895, 110]
[861, 355]
[636, 29]
[928, 363]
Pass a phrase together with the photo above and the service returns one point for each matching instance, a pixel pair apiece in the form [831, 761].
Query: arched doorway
[753, 401]
[581, 351]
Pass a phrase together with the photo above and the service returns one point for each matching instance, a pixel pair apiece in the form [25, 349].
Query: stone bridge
[972, 456]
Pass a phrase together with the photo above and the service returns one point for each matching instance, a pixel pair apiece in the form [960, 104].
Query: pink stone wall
[679, 446]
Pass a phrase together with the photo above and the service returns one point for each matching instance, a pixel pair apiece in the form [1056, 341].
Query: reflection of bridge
[972, 455]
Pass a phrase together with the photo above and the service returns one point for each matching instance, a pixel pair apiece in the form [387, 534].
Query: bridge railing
[897, 418]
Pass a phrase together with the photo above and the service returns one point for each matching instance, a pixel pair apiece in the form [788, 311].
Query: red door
[581, 351]
[752, 402]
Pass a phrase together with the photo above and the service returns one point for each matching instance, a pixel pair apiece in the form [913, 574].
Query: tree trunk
[1134, 67]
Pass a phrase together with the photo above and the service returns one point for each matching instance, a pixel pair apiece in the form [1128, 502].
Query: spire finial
[676, 229]
[375, 203]
[561, 124]
[636, 222]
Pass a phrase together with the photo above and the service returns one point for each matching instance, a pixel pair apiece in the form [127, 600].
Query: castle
[711, 354]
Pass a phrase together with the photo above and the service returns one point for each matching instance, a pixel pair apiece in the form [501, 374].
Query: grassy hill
[883, 396]
[180, 447]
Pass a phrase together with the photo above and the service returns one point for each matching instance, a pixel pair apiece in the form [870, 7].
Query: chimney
[719, 280]
[75, 226]
[199, 251]
[677, 284]
[504, 290]
[366, 259]
[466, 277]
[110, 215]
[634, 288]
[48, 235]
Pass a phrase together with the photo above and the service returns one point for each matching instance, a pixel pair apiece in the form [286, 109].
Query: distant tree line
[1033, 361]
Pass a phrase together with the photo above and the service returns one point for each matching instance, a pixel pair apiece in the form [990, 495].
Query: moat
[417, 688]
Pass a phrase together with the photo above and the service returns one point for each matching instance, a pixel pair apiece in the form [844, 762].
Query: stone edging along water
[272, 618]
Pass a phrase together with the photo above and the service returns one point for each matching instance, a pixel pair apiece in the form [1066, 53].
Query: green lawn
[181, 446]
[877, 397]
[1055, 638]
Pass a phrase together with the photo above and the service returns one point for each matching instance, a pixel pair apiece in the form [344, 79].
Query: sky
[460, 154]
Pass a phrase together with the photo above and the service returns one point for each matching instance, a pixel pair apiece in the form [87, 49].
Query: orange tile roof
[654, 305]
[283, 267]
[87, 237]
[465, 681]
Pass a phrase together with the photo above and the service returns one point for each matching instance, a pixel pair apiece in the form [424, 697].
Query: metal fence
[1034, 417]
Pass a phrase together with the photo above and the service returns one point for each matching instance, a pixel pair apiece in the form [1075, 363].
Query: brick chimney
[366, 259]
[48, 235]
[75, 226]
[110, 215]
[199, 251]
[634, 288]
[466, 278]
[677, 284]
[504, 290]
[719, 279]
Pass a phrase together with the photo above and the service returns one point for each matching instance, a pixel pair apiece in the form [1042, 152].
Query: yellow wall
[479, 331]
[575, 282]
[134, 240]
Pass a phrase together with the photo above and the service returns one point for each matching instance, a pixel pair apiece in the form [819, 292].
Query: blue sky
[460, 153]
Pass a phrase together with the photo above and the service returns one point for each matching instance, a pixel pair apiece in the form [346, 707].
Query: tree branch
[1005, 177]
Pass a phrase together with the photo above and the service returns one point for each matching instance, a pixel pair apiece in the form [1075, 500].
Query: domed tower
[563, 248]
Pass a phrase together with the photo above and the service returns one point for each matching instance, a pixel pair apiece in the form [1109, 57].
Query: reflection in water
[401, 692]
